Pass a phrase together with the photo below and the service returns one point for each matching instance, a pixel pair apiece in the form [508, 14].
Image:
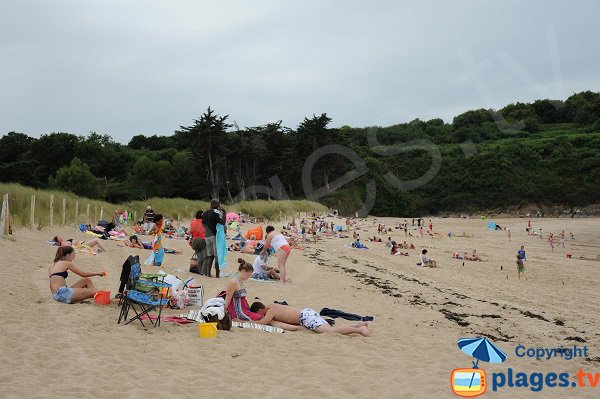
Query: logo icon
[470, 382]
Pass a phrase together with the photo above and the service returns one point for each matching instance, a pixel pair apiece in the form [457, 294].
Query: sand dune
[55, 350]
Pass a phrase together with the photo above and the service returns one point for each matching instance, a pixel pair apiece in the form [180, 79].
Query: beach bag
[196, 295]
[223, 324]
[179, 300]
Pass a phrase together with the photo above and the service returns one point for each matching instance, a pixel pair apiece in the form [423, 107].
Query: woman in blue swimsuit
[59, 271]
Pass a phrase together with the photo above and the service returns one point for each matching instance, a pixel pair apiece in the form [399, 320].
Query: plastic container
[208, 330]
[102, 297]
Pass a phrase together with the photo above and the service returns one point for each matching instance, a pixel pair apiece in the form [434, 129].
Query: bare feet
[364, 331]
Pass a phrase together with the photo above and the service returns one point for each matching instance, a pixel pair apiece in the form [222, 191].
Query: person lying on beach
[375, 239]
[406, 245]
[473, 257]
[133, 242]
[58, 273]
[425, 261]
[235, 295]
[456, 255]
[294, 319]
[94, 242]
[249, 246]
[476, 257]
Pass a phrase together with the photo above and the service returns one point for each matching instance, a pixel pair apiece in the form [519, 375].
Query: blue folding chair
[143, 295]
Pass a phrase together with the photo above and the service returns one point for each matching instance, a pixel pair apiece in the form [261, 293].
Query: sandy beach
[55, 350]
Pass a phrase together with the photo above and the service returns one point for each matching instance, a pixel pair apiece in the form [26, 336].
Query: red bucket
[102, 298]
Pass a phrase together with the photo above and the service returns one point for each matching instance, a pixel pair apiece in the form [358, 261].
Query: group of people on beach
[203, 231]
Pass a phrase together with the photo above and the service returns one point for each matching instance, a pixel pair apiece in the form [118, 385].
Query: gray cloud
[126, 68]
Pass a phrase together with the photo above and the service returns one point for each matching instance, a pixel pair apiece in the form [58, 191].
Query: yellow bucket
[207, 330]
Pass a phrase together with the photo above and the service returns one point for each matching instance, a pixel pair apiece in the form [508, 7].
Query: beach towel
[221, 246]
[261, 281]
[168, 319]
[347, 316]
[84, 249]
[262, 327]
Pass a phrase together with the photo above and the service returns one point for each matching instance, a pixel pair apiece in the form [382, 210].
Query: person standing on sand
[294, 319]
[521, 254]
[405, 228]
[148, 218]
[508, 232]
[277, 241]
[210, 219]
[521, 267]
[158, 250]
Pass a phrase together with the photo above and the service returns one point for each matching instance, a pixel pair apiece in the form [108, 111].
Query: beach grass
[19, 199]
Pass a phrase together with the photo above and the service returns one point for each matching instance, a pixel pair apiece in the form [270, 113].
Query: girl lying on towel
[94, 242]
[134, 242]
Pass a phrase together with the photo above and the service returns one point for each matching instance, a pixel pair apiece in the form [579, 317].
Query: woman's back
[197, 228]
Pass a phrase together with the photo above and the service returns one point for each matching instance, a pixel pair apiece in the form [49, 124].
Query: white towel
[214, 302]
[212, 311]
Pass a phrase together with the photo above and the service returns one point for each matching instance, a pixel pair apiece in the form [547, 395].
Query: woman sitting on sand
[94, 242]
[394, 250]
[425, 261]
[58, 273]
[235, 296]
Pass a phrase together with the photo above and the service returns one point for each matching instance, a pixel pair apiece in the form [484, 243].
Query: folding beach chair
[144, 294]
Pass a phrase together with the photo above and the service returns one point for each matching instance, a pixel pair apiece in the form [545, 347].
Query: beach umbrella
[232, 216]
[481, 349]
[491, 226]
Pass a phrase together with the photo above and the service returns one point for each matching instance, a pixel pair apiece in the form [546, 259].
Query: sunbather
[425, 261]
[58, 273]
[235, 296]
[406, 245]
[294, 319]
[134, 242]
[94, 242]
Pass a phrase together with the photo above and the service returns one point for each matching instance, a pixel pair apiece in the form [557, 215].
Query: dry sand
[55, 350]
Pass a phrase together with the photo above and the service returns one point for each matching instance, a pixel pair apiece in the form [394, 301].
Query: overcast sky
[146, 67]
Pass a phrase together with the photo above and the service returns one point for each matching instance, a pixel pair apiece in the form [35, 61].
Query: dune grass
[19, 199]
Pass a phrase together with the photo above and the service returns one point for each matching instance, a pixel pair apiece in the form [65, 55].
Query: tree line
[547, 151]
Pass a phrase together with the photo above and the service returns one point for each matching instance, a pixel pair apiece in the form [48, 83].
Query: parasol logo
[471, 382]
